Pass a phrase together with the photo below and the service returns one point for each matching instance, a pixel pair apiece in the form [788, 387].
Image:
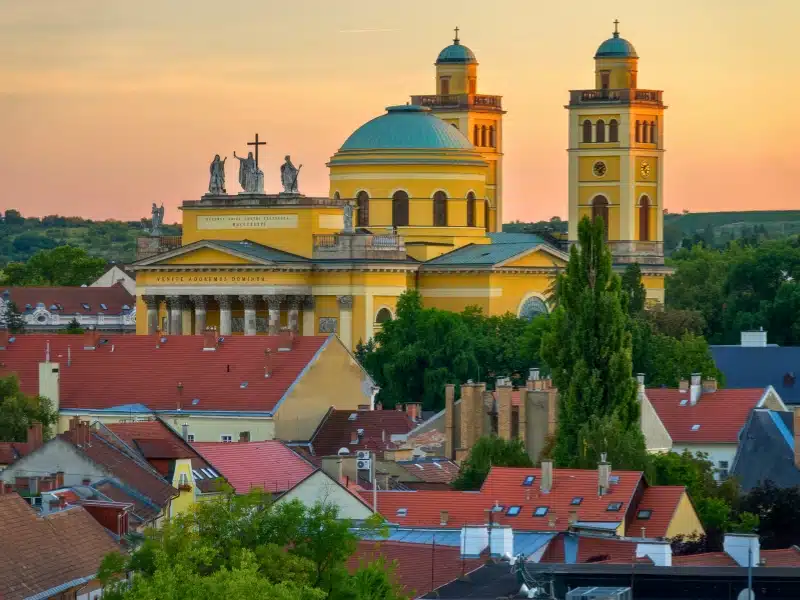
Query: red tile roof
[72, 299]
[337, 428]
[138, 369]
[431, 470]
[662, 501]
[424, 508]
[268, 465]
[40, 553]
[720, 415]
[10, 452]
[706, 559]
[593, 549]
[410, 571]
[785, 557]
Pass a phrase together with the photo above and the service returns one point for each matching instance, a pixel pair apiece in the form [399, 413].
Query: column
[186, 316]
[199, 314]
[152, 313]
[274, 306]
[249, 302]
[346, 320]
[174, 321]
[293, 313]
[224, 302]
[309, 319]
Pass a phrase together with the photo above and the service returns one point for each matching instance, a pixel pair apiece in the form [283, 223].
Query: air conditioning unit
[362, 465]
[362, 454]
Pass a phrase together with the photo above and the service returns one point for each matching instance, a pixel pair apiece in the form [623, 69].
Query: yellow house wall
[326, 306]
[459, 76]
[515, 286]
[653, 231]
[207, 256]
[221, 277]
[685, 520]
[653, 162]
[586, 164]
[622, 72]
[537, 259]
[334, 378]
[654, 287]
[186, 499]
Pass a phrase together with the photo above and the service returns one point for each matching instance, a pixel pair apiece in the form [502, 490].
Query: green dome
[407, 127]
[456, 53]
[616, 47]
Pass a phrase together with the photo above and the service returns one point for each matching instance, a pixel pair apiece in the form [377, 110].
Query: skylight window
[498, 508]
[528, 481]
[684, 402]
[86, 306]
[614, 507]
[207, 473]
[695, 427]
[104, 306]
[243, 385]
[196, 474]
[352, 417]
[540, 511]
[576, 501]
[213, 472]
[402, 512]
[644, 514]
[614, 479]
[513, 511]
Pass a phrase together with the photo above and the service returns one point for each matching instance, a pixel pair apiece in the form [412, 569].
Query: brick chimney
[546, 478]
[210, 338]
[504, 392]
[696, 389]
[35, 439]
[709, 385]
[413, 410]
[90, 339]
[449, 400]
[59, 479]
[444, 517]
[603, 476]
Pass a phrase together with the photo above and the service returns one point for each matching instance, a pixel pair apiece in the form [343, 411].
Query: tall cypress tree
[588, 346]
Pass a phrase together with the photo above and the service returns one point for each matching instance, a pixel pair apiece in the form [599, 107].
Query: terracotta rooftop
[592, 549]
[140, 369]
[409, 572]
[655, 511]
[69, 301]
[431, 470]
[784, 557]
[268, 465]
[718, 417]
[42, 553]
[338, 428]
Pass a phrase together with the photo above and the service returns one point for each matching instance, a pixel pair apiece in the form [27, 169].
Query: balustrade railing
[614, 96]
[459, 101]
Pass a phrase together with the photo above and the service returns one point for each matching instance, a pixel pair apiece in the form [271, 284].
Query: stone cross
[256, 143]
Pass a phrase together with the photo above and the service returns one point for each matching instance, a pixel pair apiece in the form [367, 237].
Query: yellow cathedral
[415, 202]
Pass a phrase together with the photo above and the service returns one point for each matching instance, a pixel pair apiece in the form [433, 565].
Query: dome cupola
[456, 53]
[616, 47]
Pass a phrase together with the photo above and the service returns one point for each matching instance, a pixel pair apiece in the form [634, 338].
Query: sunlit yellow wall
[622, 72]
[458, 74]
[516, 286]
[185, 499]
[207, 256]
[654, 286]
[586, 166]
[333, 379]
[325, 306]
[685, 521]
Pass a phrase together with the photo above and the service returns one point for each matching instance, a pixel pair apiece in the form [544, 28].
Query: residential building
[116, 274]
[107, 309]
[756, 364]
[698, 417]
[55, 555]
[10, 452]
[769, 450]
[355, 430]
[321, 487]
[276, 387]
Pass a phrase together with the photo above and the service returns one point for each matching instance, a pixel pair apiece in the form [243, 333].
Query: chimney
[474, 539]
[398, 407]
[744, 548]
[210, 337]
[695, 389]
[603, 476]
[332, 467]
[683, 385]
[59, 479]
[354, 437]
[90, 339]
[285, 341]
[522, 418]
[709, 385]
[546, 478]
[449, 399]
[640, 381]
[35, 439]
[754, 339]
[49, 383]
[267, 363]
[412, 410]
[501, 541]
[185, 432]
[573, 517]
[659, 552]
[533, 376]
[504, 392]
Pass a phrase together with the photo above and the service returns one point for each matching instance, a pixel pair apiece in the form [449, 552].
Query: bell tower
[616, 148]
[478, 116]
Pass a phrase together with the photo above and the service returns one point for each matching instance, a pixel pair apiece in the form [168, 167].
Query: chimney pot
[696, 389]
[709, 385]
[546, 479]
[640, 379]
[379, 405]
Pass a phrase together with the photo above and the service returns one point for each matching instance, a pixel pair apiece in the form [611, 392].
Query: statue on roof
[289, 175]
[216, 185]
[157, 219]
[251, 178]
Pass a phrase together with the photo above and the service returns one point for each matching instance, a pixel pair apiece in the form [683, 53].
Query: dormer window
[104, 306]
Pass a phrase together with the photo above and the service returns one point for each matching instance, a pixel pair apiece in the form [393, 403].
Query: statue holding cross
[251, 178]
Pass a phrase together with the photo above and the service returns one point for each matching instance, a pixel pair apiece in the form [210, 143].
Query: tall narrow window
[587, 132]
[440, 209]
[483, 136]
[485, 216]
[613, 131]
[362, 203]
[600, 209]
[444, 86]
[473, 85]
[400, 209]
[638, 131]
[470, 210]
[645, 136]
[601, 131]
[653, 136]
[605, 80]
[476, 135]
[644, 219]
[491, 136]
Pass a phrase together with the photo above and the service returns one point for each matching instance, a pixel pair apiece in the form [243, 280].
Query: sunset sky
[108, 106]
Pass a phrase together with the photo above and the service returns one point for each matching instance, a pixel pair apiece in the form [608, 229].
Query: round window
[532, 307]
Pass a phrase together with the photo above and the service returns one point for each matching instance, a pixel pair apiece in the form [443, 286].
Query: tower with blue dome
[616, 161]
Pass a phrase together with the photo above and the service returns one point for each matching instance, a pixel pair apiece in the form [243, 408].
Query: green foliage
[776, 510]
[73, 327]
[588, 346]
[633, 288]
[247, 547]
[488, 452]
[65, 265]
[18, 411]
[13, 319]
[624, 446]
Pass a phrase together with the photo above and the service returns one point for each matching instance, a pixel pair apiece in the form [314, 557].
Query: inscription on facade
[328, 324]
[210, 278]
[247, 222]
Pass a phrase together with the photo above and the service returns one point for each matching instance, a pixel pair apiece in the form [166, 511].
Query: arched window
[587, 132]
[362, 204]
[532, 307]
[653, 136]
[336, 196]
[644, 219]
[486, 215]
[645, 136]
[400, 209]
[470, 210]
[440, 209]
[638, 131]
[613, 131]
[476, 135]
[483, 136]
[383, 315]
[600, 209]
[491, 136]
[601, 131]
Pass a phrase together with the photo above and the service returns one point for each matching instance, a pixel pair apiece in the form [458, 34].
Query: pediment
[543, 256]
[208, 252]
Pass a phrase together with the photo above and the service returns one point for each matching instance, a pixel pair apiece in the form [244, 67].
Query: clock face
[645, 169]
[599, 168]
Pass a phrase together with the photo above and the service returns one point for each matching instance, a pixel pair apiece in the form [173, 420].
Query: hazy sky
[108, 106]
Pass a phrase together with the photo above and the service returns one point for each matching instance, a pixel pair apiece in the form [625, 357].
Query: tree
[64, 265]
[624, 447]
[490, 451]
[73, 327]
[588, 346]
[497, 345]
[19, 411]
[12, 319]
[633, 288]
[13, 217]
[777, 510]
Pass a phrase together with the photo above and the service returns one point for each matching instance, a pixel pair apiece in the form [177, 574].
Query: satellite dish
[343, 451]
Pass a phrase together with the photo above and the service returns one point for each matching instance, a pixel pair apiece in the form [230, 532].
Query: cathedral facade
[415, 202]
